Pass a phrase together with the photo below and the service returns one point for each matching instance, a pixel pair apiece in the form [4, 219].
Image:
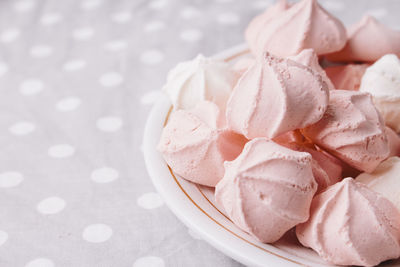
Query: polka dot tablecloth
[77, 80]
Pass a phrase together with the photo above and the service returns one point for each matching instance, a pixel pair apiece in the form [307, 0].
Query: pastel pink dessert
[304, 25]
[256, 185]
[393, 141]
[352, 130]
[195, 144]
[347, 77]
[352, 225]
[309, 58]
[368, 40]
[327, 170]
[256, 26]
[276, 96]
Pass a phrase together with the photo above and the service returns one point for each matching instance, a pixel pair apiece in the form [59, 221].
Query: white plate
[194, 205]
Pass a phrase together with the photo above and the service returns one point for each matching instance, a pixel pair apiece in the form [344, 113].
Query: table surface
[77, 80]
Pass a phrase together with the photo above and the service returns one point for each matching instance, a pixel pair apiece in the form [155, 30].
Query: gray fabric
[118, 79]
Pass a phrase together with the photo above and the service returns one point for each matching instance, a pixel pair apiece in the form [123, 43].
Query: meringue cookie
[385, 180]
[275, 96]
[368, 40]
[194, 145]
[200, 79]
[347, 77]
[256, 26]
[304, 25]
[352, 225]
[393, 141]
[309, 58]
[267, 189]
[382, 81]
[325, 168]
[352, 130]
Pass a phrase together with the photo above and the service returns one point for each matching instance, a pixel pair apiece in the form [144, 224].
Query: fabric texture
[77, 80]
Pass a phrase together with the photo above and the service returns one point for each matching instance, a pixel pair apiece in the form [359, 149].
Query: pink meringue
[275, 96]
[393, 141]
[352, 130]
[309, 58]
[368, 40]
[195, 146]
[267, 189]
[256, 26]
[304, 25]
[352, 225]
[347, 77]
[325, 168]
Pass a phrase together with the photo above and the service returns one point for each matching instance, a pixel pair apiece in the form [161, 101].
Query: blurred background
[77, 80]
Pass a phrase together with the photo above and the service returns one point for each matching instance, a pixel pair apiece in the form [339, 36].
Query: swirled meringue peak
[346, 77]
[267, 189]
[385, 180]
[368, 40]
[256, 26]
[200, 79]
[382, 81]
[195, 144]
[352, 225]
[304, 25]
[309, 58]
[352, 130]
[275, 96]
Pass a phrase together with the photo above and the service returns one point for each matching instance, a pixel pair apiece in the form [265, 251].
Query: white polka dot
[31, 87]
[3, 68]
[111, 79]
[149, 261]
[122, 17]
[158, 4]
[152, 57]
[154, 26]
[191, 35]
[91, 4]
[68, 104]
[61, 151]
[109, 123]
[228, 18]
[104, 175]
[50, 19]
[84, 33]
[333, 5]
[194, 234]
[189, 12]
[115, 45]
[40, 51]
[150, 97]
[9, 35]
[150, 201]
[97, 233]
[74, 64]
[377, 13]
[22, 128]
[23, 5]
[40, 262]
[10, 179]
[3, 237]
[51, 205]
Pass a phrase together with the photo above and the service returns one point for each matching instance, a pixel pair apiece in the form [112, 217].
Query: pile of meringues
[287, 143]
